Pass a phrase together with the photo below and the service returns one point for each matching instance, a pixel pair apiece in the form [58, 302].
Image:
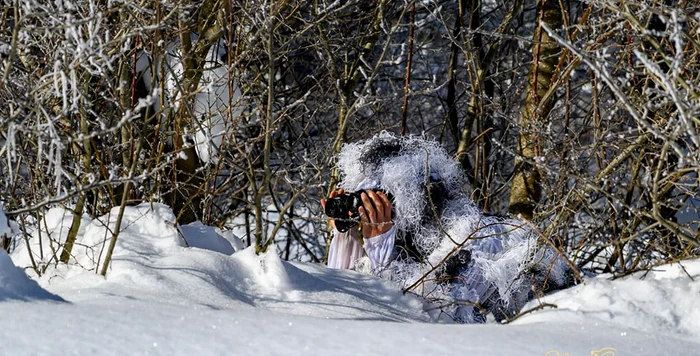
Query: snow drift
[14, 283]
[163, 298]
[151, 261]
[665, 300]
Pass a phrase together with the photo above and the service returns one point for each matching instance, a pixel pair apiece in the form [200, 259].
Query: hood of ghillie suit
[432, 211]
[408, 168]
[424, 181]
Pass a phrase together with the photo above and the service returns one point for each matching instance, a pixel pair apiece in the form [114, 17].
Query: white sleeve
[380, 248]
[345, 250]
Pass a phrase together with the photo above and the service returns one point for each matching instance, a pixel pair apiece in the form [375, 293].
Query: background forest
[581, 116]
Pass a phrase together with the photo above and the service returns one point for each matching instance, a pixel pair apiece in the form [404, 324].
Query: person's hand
[333, 194]
[375, 214]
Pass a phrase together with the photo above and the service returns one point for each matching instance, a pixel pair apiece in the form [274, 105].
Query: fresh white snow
[15, 285]
[163, 298]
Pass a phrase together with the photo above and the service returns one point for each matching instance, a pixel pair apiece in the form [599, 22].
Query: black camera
[340, 207]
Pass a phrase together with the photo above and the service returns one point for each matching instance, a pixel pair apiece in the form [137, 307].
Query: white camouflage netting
[504, 251]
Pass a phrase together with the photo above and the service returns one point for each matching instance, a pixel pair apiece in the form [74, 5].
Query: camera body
[340, 207]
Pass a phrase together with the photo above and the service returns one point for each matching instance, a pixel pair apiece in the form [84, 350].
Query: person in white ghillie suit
[420, 230]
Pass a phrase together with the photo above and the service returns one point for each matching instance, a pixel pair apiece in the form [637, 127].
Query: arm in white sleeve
[380, 248]
[345, 250]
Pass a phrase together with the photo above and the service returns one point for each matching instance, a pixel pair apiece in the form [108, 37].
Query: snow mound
[151, 262]
[146, 230]
[206, 237]
[44, 243]
[14, 283]
[665, 300]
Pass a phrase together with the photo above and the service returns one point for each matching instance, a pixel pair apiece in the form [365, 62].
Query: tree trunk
[74, 228]
[526, 187]
[85, 157]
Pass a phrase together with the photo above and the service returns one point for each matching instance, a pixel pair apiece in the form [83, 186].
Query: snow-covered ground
[163, 298]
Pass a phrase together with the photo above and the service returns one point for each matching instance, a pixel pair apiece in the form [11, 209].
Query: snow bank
[276, 308]
[666, 300]
[151, 261]
[113, 326]
[45, 243]
[163, 298]
[146, 230]
[14, 283]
